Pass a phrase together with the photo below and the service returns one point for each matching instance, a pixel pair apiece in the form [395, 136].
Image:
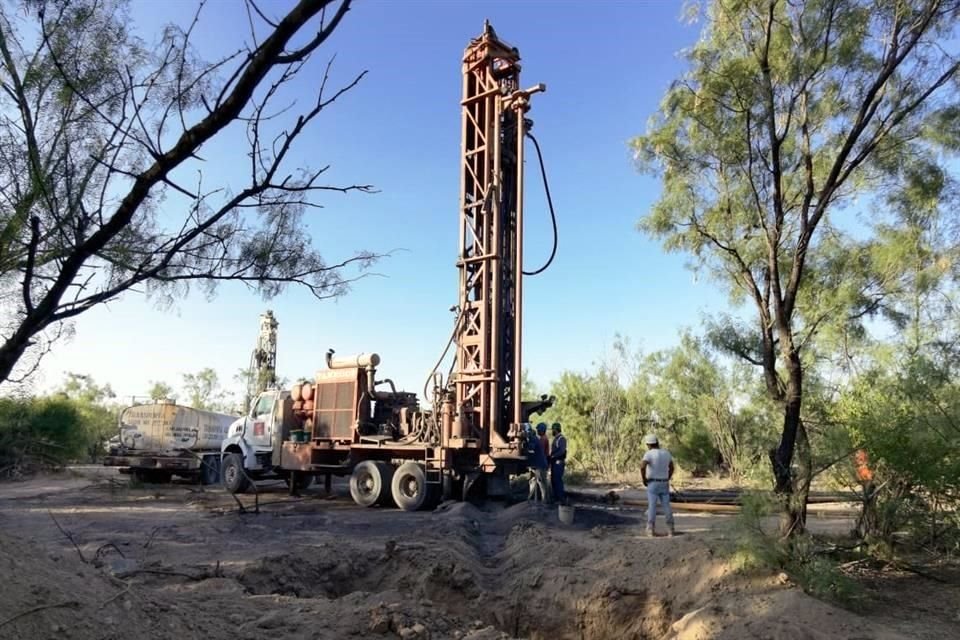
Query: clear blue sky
[606, 65]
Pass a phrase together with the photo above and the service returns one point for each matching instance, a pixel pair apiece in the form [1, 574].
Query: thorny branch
[68, 536]
[41, 607]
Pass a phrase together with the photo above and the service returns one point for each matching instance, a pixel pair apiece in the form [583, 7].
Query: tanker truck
[160, 440]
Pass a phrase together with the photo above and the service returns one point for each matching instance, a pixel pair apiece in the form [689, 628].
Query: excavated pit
[504, 572]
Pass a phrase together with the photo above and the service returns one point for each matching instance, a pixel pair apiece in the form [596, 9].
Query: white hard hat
[651, 439]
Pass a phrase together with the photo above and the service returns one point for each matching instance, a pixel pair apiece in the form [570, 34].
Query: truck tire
[370, 483]
[410, 489]
[210, 470]
[233, 476]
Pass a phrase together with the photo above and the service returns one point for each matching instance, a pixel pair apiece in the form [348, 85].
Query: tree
[573, 408]
[93, 405]
[904, 413]
[703, 402]
[160, 391]
[788, 113]
[102, 146]
[202, 390]
[83, 388]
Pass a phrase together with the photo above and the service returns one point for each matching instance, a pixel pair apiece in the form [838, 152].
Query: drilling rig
[262, 371]
[345, 423]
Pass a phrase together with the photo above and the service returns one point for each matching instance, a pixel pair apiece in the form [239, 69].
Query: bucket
[566, 514]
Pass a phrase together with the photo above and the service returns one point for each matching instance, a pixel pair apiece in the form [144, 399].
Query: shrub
[39, 432]
[800, 557]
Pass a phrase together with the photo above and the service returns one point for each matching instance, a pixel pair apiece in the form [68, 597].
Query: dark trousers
[556, 481]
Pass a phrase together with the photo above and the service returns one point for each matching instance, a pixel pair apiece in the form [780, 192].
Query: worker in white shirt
[656, 469]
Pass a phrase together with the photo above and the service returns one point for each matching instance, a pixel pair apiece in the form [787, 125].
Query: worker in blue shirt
[537, 460]
[558, 460]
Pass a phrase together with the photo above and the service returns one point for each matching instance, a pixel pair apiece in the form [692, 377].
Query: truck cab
[248, 450]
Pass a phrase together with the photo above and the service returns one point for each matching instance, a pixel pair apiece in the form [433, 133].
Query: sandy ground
[177, 562]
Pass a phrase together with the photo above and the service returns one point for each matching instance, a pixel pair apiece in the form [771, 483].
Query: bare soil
[174, 561]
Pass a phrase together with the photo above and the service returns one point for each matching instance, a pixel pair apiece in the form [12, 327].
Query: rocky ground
[92, 557]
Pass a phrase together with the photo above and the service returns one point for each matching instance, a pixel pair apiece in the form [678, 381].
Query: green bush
[695, 450]
[39, 432]
[904, 415]
[800, 557]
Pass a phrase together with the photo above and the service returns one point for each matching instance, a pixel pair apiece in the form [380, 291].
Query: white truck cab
[247, 451]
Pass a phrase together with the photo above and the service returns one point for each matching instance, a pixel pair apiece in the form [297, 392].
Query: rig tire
[409, 487]
[370, 483]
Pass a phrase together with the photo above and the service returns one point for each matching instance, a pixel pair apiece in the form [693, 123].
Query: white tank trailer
[158, 441]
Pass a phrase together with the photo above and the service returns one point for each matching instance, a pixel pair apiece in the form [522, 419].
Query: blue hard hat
[542, 428]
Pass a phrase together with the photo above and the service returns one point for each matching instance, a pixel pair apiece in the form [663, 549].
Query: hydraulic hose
[553, 216]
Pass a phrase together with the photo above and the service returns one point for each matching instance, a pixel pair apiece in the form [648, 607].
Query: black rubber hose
[553, 216]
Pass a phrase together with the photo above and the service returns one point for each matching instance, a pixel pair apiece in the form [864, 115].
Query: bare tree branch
[91, 148]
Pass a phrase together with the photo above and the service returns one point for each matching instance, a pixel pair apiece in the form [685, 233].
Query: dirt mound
[45, 593]
[785, 615]
[327, 570]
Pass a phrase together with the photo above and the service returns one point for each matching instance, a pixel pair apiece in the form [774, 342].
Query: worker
[545, 446]
[537, 460]
[656, 469]
[558, 460]
[544, 440]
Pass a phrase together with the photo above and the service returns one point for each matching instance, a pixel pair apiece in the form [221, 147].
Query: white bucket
[566, 514]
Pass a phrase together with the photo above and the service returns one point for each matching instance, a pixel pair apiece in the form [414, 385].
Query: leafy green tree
[788, 113]
[96, 410]
[609, 421]
[202, 391]
[901, 405]
[573, 409]
[100, 128]
[712, 422]
[160, 391]
[83, 388]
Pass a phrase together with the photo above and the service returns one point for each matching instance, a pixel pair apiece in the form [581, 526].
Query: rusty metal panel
[296, 456]
[336, 402]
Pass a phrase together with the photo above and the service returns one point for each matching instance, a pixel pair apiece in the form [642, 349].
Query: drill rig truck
[348, 422]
